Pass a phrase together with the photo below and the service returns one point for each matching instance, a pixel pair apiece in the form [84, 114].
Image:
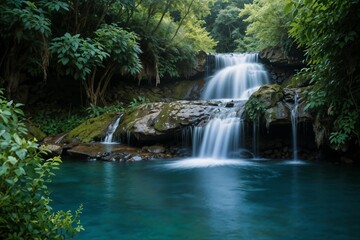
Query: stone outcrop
[162, 121]
[91, 130]
[277, 57]
[281, 66]
[278, 103]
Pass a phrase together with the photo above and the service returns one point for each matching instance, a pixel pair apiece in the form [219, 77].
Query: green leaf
[17, 139]
[12, 160]
[21, 153]
[20, 171]
[64, 61]
[3, 169]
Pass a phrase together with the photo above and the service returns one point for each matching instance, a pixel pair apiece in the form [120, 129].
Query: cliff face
[281, 66]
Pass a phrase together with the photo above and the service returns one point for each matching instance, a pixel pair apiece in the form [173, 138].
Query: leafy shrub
[254, 108]
[137, 101]
[25, 212]
[94, 111]
[53, 122]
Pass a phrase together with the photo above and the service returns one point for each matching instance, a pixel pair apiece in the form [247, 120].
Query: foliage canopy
[93, 41]
[329, 31]
[25, 211]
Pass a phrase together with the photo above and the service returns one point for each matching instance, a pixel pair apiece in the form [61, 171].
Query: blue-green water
[236, 200]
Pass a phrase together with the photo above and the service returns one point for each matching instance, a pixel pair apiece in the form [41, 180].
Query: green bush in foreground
[25, 212]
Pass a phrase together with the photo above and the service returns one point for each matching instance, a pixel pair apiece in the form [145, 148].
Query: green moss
[34, 132]
[268, 88]
[181, 89]
[296, 81]
[92, 129]
[163, 117]
[129, 117]
[269, 95]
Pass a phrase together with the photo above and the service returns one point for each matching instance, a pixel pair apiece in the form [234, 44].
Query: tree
[92, 40]
[25, 211]
[329, 31]
[25, 28]
[95, 61]
[227, 28]
[268, 25]
[225, 24]
[171, 34]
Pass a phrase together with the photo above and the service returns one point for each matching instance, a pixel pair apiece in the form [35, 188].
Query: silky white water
[294, 120]
[236, 77]
[111, 130]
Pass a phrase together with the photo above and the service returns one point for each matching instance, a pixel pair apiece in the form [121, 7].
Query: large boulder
[277, 104]
[269, 95]
[91, 130]
[162, 121]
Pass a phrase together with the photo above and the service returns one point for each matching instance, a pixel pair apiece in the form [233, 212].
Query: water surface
[236, 200]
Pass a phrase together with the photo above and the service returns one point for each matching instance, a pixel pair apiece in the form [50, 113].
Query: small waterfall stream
[237, 76]
[294, 120]
[111, 130]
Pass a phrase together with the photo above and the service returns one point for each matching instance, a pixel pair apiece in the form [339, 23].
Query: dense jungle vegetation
[94, 43]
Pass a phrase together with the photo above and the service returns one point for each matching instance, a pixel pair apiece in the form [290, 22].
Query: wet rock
[278, 113]
[120, 152]
[162, 121]
[154, 149]
[229, 104]
[276, 56]
[278, 104]
[269, 95]
[91, 130]
[52, 150]
[136, 158]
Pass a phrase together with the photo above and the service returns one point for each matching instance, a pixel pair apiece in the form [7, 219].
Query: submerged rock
[119, 152]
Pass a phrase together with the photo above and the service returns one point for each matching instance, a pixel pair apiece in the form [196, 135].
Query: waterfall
[222, 136]
[111, 130]
[294, 120]
[236, 77]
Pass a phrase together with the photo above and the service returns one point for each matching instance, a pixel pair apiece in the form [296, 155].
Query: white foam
[207, 162]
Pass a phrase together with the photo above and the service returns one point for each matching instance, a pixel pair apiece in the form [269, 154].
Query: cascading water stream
[222, 136]
[111, 130]
[237, 76]
[294, 120]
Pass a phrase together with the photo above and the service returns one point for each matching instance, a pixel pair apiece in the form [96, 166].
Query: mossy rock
[167, 118]
[34, 132]
[280, 113]
[269, 95]
[157, 122]
[296, 82]
[189, 89]
[92, 129]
